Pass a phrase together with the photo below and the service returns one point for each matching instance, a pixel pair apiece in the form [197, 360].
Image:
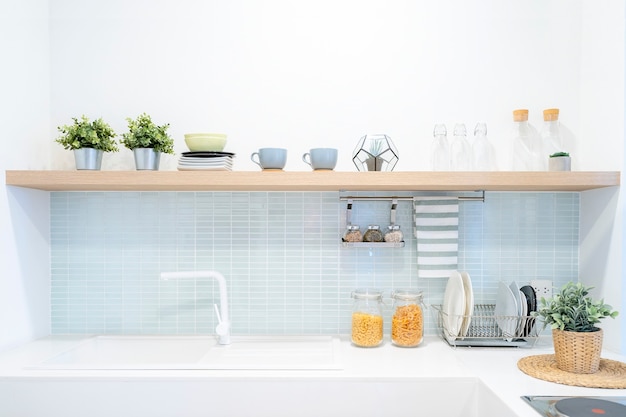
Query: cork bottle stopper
[520, 115]
[550, 115]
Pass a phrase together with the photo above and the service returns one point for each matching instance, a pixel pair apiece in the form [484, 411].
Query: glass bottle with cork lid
[407, 322]
[525, 155]
[550, 135]
[367, 317]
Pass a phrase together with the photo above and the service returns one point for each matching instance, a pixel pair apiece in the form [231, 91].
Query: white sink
[199, 352]
[275, 352]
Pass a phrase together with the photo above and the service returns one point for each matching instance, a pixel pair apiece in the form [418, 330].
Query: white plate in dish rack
[469, 303]
[518, 296]
[524, 313]
[454, 304]
[506, 308]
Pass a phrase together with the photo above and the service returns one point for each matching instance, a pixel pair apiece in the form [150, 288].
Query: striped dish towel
[437, 235]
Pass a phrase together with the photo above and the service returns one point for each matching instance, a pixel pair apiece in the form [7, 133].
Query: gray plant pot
[374, 163]
[560, 163]
[146, 159]
[88, 159]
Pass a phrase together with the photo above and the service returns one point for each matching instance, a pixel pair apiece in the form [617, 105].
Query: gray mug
[321, 158]
[270, 158]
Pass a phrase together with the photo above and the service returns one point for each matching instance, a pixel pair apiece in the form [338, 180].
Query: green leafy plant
[558, 154]
[85, 134]
[573, 310]
[143, 133]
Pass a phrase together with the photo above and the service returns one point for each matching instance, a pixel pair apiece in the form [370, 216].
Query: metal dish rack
[487, 329]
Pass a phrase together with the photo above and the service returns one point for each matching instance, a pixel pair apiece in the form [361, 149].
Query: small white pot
[560, 163]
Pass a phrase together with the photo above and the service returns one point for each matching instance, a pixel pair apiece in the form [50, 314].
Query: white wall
[24, 214]
[304, 74]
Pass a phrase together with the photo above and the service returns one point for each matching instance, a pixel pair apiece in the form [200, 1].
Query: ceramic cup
[270, 158]
[321, 158]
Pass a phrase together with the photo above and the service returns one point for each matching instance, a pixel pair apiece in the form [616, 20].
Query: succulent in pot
[573, 316]
[559, 161]
[89, 140]
[147, 141]
[375, 153]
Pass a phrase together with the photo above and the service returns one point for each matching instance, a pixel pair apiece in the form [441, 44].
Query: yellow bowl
[217, 135]
[205, 142]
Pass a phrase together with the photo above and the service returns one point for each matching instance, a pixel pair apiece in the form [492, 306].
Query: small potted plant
[560, 161]
[573, 316]
[147, 141]
[375, 153]
[375, 162]
[88, 140]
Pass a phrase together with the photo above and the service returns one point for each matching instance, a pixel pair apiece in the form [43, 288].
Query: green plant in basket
[572, 309]
[144, 133]
[85, 134]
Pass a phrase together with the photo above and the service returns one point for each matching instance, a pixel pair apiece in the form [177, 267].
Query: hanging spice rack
[392, 215]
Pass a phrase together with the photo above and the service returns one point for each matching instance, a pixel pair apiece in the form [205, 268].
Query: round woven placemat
[612, 374]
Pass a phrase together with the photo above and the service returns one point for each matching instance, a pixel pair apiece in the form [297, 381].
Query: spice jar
[373, 234]
[394, 234]
[367, 318]
[407, 323]
[352, 234]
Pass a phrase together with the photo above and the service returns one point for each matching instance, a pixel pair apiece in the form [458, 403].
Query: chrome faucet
[223, 321]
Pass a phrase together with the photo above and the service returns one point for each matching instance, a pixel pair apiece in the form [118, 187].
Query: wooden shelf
[310, 181]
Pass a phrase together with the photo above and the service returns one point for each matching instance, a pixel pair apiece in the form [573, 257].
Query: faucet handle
[217, 313]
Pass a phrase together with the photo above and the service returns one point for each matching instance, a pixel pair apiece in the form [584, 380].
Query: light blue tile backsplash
[280, 252]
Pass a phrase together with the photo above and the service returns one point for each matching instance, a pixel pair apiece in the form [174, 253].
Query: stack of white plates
[206, 161]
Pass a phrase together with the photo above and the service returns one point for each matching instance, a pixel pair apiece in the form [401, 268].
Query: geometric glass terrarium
[375, 153]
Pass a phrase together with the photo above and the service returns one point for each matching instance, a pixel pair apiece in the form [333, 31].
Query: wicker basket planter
[577, 352]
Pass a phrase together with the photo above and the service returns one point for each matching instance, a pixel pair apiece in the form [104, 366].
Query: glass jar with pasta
[407, 322]
[367, 318]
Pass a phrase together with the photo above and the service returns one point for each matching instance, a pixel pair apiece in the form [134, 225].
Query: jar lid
[393, 227]
[373, 227]
[353, 227]
[407, 295]
[367, 294]
[550, 115]
[520, 115]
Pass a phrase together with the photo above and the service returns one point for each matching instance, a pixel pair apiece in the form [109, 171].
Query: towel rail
[480, 198]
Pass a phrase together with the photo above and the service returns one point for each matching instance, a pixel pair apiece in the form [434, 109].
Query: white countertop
[495, 367]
